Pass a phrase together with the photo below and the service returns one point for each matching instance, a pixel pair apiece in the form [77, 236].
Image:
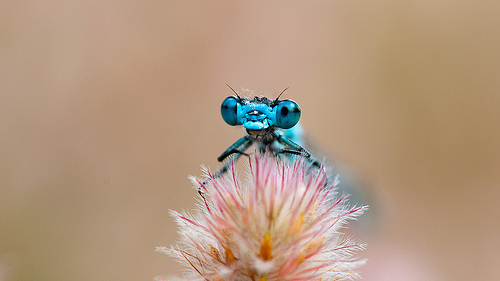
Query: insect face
[260, 113]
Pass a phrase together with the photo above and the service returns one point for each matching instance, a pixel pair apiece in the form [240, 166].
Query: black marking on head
[258, 100]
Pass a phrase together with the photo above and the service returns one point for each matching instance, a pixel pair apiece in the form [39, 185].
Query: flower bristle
[281, 224]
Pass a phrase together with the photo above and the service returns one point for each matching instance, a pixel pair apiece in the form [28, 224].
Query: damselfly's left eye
[287, 114]
[229, 111]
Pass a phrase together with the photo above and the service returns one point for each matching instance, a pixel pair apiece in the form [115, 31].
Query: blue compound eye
[287, 114]
[229, 111]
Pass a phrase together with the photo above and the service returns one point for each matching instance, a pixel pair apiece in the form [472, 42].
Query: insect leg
[242, 145]
[238, 154]
[291, 144]
[295, 148]
[238, 147]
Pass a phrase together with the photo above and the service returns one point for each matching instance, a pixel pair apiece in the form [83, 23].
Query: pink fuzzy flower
[281, 224]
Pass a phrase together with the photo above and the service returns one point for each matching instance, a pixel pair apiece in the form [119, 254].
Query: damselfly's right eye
[229, 111]
[287, 114]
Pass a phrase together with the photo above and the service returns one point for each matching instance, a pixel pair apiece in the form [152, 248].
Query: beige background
[107, 106]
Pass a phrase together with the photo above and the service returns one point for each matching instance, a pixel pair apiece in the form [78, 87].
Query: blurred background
[106, 107]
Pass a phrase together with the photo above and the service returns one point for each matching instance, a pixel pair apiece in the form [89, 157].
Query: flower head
[281, 224]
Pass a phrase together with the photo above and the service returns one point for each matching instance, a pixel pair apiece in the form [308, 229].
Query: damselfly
[273, 126]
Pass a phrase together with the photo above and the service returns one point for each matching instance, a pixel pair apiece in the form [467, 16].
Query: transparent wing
[351, 183]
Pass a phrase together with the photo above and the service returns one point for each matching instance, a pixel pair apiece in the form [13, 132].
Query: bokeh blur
[106, 107]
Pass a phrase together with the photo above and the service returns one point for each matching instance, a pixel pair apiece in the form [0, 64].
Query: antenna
[276, 100]
[234, 91]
